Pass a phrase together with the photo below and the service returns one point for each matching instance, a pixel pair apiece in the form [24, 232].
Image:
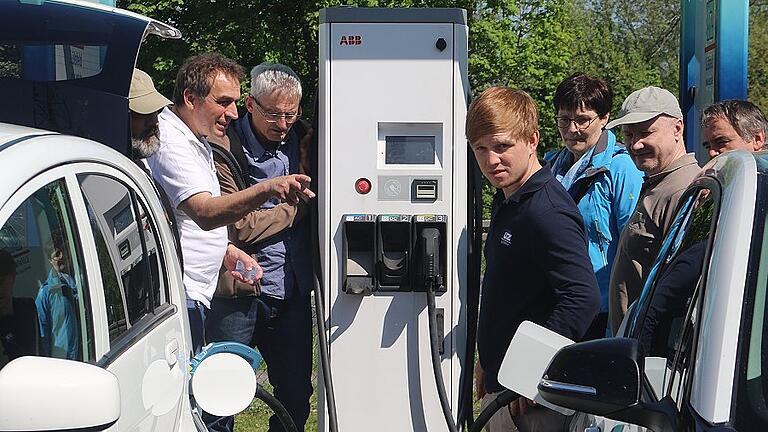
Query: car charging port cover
[224, 384]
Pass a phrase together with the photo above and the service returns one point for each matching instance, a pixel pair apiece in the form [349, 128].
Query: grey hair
[745, 117]
[268, 77]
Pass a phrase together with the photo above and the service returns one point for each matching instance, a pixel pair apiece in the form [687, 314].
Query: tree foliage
[249, 31]
[629, 43]
[522, 44]
[529, 44]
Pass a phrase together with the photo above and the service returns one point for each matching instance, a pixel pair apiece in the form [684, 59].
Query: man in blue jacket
[537, 265]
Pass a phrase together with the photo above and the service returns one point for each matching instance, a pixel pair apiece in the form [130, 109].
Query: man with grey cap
[652, 124]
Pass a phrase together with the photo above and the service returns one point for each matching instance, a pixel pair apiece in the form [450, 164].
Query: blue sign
[714, 43]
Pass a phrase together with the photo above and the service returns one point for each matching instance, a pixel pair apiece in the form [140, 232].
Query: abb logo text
[351, 40]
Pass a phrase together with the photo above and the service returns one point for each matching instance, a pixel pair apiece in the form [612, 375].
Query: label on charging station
[430, 218]
[359, 217]
[394, 218]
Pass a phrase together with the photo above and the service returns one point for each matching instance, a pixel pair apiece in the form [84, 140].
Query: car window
[67, 61]
[44, 298]
[666, 318]
[127, 247]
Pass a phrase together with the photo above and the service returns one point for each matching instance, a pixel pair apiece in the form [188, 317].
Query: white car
[93, 325]
[695, 355]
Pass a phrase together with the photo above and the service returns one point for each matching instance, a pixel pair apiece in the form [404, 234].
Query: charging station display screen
[122, 220]
[411, 150]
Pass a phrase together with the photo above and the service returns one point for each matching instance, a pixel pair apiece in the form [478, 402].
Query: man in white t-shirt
[207, 88]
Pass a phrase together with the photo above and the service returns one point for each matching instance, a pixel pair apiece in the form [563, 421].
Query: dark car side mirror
[604, 377]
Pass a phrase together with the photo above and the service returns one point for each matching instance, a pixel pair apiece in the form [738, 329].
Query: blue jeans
[282, 332]
[196, 312]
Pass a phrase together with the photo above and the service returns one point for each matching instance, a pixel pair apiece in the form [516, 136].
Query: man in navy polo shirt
[537, 265]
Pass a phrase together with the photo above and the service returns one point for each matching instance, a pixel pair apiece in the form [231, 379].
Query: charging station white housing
[392, 103]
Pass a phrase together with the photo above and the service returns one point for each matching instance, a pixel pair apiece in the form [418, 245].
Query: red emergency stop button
[363, 186]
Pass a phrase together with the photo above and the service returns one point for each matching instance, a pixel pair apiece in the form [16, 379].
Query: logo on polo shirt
[506, 238]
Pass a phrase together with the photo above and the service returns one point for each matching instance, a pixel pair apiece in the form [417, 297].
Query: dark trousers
[282, 332]
[598, 328]
[196, 313]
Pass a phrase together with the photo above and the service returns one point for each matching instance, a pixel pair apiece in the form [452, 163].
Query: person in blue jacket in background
[56, 304]
[598, 173]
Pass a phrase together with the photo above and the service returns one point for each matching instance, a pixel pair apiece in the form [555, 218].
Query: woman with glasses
[598, 173]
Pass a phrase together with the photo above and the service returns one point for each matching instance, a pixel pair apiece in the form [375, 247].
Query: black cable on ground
[434, 343]
[502, 400]
[324, 360]
[277, 408]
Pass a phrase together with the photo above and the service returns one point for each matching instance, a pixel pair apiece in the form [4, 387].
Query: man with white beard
[144, 102]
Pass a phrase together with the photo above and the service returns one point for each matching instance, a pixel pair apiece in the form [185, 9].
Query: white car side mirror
[42, 394]
[526, 360]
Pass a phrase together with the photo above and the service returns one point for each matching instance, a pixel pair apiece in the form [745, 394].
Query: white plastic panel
[224, 384]
[522, 373]
[721, 315]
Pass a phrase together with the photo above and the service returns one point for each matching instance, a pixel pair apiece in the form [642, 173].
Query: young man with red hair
[537, 265]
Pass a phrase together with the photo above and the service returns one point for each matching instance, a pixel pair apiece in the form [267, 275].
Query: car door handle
[172, 352]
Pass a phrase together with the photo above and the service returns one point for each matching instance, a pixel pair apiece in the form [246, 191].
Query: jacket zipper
[600, 243]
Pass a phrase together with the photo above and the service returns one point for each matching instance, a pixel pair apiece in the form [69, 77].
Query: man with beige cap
[145, 103]
[652, 124]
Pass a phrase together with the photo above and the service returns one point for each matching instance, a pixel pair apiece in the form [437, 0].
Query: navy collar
[252, 142]
[533, 184]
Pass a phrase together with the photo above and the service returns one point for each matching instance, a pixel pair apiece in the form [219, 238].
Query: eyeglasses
[581, 123]
[273, 117]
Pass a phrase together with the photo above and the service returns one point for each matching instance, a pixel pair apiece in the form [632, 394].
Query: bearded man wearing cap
[652, 124]
[145, 103]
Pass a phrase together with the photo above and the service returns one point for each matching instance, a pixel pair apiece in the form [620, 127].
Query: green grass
[256, 417]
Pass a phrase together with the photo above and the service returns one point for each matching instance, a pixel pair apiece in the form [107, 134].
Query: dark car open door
[67, 68]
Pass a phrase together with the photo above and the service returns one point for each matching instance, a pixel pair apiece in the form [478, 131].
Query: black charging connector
[429, 244]
[430, 253]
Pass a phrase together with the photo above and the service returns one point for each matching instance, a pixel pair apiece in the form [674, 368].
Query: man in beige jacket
[652, 124]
